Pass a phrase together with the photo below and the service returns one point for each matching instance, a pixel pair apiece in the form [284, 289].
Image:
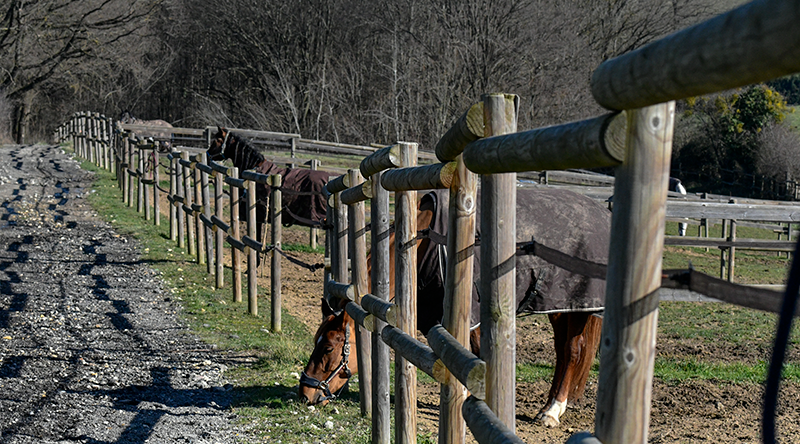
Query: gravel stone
[91, 346]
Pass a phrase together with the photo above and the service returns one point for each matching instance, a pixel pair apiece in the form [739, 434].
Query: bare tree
[50, 43]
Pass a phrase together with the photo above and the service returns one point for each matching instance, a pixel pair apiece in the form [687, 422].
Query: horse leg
[576, 337]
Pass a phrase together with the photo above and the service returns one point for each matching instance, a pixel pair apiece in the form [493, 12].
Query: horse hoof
[547, 420]
[550, 422]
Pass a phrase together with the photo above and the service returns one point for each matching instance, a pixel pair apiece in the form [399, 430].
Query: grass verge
[265, 384]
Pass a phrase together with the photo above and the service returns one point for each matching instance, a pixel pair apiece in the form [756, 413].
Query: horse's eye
[328, 350]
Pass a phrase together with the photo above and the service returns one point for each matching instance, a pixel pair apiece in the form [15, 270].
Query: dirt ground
[688, 412]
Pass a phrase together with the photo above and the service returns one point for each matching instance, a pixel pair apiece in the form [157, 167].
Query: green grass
[675, 371]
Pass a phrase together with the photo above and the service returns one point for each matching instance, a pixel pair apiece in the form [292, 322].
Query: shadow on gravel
[151, 402]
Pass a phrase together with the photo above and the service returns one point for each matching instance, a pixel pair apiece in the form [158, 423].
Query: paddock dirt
[686, 412]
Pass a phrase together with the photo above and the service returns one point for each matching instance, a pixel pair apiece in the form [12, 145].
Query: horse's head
[328, 369]
[216, 149]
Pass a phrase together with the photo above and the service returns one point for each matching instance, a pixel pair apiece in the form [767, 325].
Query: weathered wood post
[147, 179]
[379, 219]
[313, 233]
[180, 216]
[236, 255]
[406, 299]
[458, 294]
[156, 190]
[252, 260]
[197, 208]
[722, 251]
[174, 223]
[732, 250]
[275, 215]
[498, 268]
[634, 276]
[132, 153]
[206, 199]
[357, 239]
[140, 191]
[187, 203]
[219, 235]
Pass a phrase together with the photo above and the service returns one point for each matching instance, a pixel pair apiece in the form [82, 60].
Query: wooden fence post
[140, 191]
[634, 276]
[498, 232]
[219, 235]
[357, 238]
[146, 179]
[406, 300]
[252, 267]
[187, 203]
[173, 191]
[732, 250]
[236, 255]
[179, 192]
[156, 191]
[275, 214]
[313, 233]
[132, 153]
[379, 219]
[196, 209]
[207, 231]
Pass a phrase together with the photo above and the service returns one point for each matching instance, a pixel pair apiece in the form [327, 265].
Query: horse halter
[310, 381]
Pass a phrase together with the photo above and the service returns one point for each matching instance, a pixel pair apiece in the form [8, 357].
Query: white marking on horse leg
[550, 415]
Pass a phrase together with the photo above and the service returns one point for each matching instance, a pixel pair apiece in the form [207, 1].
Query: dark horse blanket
[301, 193]
[562, 220]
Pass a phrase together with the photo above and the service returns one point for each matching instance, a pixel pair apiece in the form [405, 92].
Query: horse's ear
[326, 309]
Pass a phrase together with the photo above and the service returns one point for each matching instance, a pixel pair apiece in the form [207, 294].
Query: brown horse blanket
[302, 194]
[562, 220]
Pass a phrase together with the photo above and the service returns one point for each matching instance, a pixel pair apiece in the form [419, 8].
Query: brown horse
[566, 221]
[303, 200]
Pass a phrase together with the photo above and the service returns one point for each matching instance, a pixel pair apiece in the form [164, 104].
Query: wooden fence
[756, 42]
[638, 142]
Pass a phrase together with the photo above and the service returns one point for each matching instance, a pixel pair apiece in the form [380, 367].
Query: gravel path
[91, 347]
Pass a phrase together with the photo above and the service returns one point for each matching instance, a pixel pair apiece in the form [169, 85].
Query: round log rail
[220, 168]
[385, 158]
[357, 193]
[468, 128]
[339, 290]
[219, 223]
[464, 365]
[753, 43]
[415, 352]
[204, 168]
[234, 182]
[255, 177]
[485, 426]
[597, 142]
[361, 316]
[435, 176]
[383, 310]
[338, 184]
